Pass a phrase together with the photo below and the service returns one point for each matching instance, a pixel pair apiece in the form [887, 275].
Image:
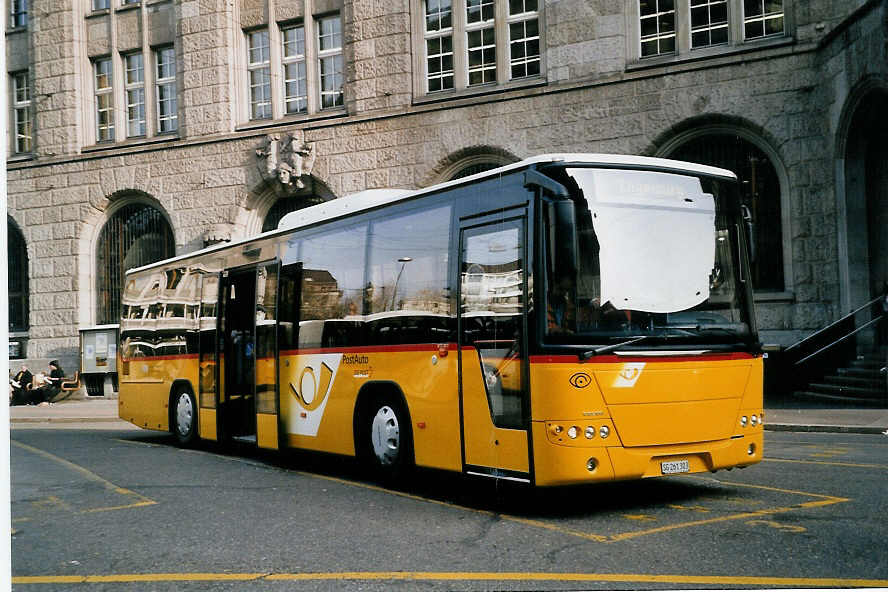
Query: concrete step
[844, 380]
[846, 391]
[867, 364]
[856, 401]
[870, 373]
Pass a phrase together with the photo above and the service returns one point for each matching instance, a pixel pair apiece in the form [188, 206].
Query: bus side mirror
[562, 215]
[750, 232]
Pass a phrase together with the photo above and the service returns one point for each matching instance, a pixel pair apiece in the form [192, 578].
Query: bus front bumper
[556, 464]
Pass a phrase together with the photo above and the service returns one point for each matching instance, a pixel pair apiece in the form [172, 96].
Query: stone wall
[791, 97]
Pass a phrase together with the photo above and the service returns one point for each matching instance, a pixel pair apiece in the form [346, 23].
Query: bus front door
[492, 347]
[267, 394]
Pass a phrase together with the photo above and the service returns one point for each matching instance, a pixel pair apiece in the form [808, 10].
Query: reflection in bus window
[333, 276]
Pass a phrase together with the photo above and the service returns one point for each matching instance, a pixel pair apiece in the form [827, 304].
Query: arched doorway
[760, 191]
[135, 234]
[866, 198]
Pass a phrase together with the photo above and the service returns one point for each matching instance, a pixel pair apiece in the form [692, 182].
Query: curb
[789, 427]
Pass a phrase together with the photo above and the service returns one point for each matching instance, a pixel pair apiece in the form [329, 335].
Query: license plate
[672, 467]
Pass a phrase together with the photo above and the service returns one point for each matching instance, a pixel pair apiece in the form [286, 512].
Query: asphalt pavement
[783, 416]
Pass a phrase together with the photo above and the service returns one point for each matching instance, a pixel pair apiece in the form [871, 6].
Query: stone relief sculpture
[286, 159]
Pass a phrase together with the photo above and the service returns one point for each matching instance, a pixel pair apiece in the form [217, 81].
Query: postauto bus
[561, 320]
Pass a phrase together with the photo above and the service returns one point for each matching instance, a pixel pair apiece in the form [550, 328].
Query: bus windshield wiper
[606, 349]
[734, 329]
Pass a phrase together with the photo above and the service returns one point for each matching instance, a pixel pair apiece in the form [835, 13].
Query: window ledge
[479, 91]
[20, 158]
[128, 7]
[695, 55]
[98, 13]
[128, 143]
[19, 29]
[258, 124]
[786, 296]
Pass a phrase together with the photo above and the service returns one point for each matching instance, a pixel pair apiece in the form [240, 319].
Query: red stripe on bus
[368, 349]
[573, 359]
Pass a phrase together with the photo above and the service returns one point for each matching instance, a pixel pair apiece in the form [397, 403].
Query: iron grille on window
[759, 190]
[137, 234]
[17, 254]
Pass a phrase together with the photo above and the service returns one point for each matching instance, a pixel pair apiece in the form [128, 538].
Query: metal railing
[828, 349]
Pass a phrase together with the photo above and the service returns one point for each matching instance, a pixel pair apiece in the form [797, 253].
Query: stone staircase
[862, 382]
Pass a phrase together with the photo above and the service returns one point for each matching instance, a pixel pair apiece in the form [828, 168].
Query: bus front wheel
[184, 417]
[387, 437]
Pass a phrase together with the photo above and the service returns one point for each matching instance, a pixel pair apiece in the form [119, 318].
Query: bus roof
[367, 200]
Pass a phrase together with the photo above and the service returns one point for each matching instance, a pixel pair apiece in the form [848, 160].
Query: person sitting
[19, 385]
[53, 385]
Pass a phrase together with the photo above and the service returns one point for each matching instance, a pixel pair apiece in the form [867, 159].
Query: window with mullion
[21, 104]
[438, 45]
[481, 48]
[709, 22]
[524, 39]
[293, 56]
[18, 13]
[104, 100]
[762, 18]
[481, 41]
[479, 11]
[101, 4]
[165, 85]
[135, 94]
[259, 69]
[330, 61]
[657, 20]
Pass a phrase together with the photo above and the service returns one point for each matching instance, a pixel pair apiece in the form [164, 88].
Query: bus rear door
[492, 345]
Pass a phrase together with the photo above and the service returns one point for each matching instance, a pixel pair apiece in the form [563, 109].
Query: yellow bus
[565, 319]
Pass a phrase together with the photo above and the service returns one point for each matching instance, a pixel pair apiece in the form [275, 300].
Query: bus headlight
[590, 432]
[591, 465]
[604, 431]
[743, 421]
[753, 421]
[556, 429]
[573, 432]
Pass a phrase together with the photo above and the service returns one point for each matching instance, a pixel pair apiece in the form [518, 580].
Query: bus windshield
[658, 263]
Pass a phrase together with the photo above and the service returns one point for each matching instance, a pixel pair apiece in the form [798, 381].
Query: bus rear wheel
[386, 438]
[184, 417]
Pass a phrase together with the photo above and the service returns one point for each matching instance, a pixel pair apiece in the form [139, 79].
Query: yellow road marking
[140, 500]
[461, 576]
[822, 500]
[640, 517]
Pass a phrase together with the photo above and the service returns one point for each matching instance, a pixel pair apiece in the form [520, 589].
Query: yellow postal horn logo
[311, 392]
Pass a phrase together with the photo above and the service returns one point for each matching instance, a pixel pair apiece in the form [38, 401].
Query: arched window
[136, 234]
[474, 169]
[284, 206]
[760, 191]
[17, 254]
[313, 193]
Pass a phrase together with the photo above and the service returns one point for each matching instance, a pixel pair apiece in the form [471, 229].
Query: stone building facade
[160, 126]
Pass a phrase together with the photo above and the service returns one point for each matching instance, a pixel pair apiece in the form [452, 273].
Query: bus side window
[288, 306]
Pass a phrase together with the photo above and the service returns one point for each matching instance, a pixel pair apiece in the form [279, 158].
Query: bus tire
[183, 415]
[386, 437]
